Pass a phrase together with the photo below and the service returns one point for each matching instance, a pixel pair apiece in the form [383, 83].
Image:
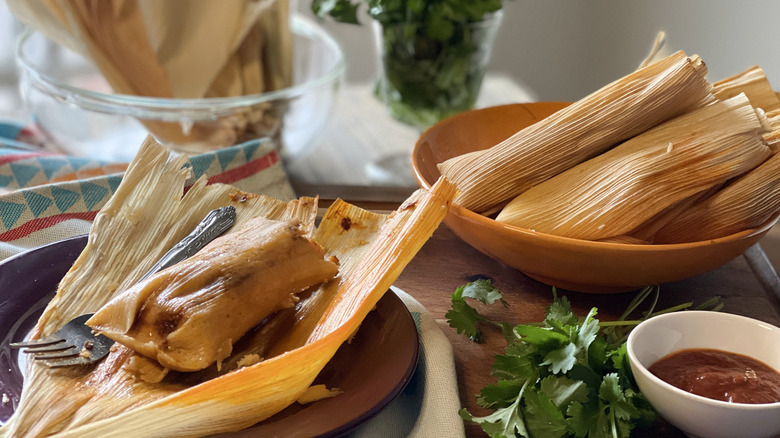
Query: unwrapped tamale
[188, 316]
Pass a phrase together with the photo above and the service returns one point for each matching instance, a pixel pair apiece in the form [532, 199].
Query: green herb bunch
[430, 52]
[437, 15]
[566, 376]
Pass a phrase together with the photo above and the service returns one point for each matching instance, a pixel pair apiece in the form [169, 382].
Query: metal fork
[77, 344]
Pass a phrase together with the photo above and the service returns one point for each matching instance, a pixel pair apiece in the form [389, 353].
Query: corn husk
[147, 215]
[616, 192]
[754, 84]
[772, 138]
[746, 203]
[658, 50]
[645, 232]
[618, 111]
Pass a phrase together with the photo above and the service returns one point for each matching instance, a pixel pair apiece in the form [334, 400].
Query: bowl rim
[171, 108]
[659, 319]
[495, 225]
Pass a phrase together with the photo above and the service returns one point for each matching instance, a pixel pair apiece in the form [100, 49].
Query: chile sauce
[720, 375]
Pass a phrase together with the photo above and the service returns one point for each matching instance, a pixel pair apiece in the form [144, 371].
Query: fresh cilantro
[565, 377]
[463, 317]
[428, 50]
[438, 15]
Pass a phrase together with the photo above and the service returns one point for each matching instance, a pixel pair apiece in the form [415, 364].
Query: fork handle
[215, 223]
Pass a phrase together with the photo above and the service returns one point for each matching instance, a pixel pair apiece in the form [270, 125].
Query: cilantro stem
[613, 423]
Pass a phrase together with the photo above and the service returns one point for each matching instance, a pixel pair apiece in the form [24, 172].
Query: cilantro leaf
[562, 390]
[561, 360]
[513, 366]
[464, 319]
[481, 290]
[543, 418]
[587, 331]
[559, 312]
[504, 422]
[540, 337]
[500, 395]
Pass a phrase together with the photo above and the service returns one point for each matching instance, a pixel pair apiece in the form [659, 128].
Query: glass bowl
[70, 102]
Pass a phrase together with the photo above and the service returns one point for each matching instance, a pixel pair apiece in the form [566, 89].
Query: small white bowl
[695, 415]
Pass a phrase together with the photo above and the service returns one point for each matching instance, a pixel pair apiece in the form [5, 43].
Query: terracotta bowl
[566, 263]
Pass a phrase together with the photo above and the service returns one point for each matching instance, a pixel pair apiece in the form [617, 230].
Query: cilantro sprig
[565, 376]
[432, 56]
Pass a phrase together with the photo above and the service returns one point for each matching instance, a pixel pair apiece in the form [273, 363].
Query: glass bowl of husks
[682, 179]
[70, 101]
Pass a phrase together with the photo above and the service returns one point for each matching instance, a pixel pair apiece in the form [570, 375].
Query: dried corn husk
[746, 203]
[658, 50]
[772, 138]
[754, 83]
[645, 232]
[618, 111]
[149, 210]
[616, 192]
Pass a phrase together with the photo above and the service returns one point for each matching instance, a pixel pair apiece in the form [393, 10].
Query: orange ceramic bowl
[566, 263]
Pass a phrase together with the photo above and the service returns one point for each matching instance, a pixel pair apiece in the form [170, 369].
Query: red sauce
[720, 375]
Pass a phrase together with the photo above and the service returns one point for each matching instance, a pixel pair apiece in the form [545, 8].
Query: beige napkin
[428, 406]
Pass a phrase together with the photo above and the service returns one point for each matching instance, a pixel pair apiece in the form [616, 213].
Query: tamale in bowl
[73, 105]
[566, 263]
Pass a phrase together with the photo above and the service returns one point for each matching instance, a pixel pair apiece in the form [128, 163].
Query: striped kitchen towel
[45, 197]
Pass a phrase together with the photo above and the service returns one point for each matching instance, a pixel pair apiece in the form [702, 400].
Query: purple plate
[371, 370]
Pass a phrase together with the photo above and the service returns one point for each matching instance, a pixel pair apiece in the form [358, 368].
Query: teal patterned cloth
[45, 197]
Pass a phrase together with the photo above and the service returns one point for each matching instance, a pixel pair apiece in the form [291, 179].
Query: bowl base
[581, 287]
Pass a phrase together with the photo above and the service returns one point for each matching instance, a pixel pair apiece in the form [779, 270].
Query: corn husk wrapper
[616, 192]
[645, 232]
[772, 138]
[754, 83]
[196, 49]
[618, 111]
[149, 211]
[658, 50]
[746, 203]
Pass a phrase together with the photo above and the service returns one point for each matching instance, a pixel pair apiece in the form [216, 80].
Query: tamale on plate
[188, 316]
[147, 215]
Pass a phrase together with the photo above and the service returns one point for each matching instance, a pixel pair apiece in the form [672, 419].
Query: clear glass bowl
[68, 100]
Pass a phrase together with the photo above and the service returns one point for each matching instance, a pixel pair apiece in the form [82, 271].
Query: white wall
[564, 49]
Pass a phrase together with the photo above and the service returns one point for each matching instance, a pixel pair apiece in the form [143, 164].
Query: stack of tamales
[127, 394]
[658, 156]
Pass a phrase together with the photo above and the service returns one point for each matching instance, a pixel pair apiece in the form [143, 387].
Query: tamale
[620, 110]
[108, 399]
[645, 232]
[772, 137]
[748, 202]
[754, 83]
[614, 193]
[189, 316]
